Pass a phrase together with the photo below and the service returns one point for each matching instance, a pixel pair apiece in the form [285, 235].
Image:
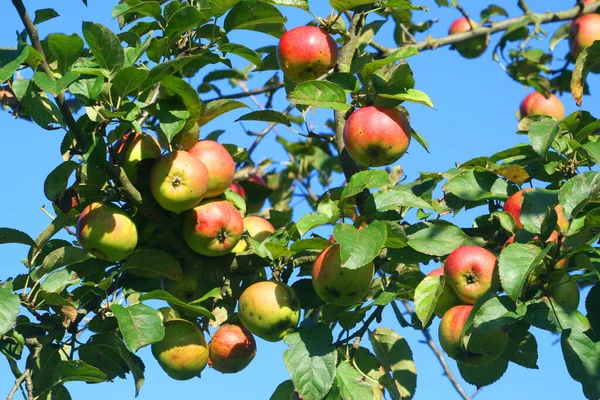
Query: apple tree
[192, 246]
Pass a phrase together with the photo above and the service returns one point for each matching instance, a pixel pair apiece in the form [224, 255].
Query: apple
[187, 139]
[258, 228]
[472, 271]
[583, 32]
[306, 52]
[106, 231]
[213, 228]
[536, 104]
[513, 205]
[337, 285]
[448, 298]
[239, 189]
[471, 48]
[231, 349]
[143, 146]
[563, 289]
[482, 348]
[178, 181]
[269, 310]
[182, 353]
[562, 222]
[376, 136]
[219, 163]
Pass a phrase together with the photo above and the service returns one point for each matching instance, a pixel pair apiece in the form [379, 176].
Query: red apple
[143, 146]
[239, 189]
[376, 136]
[536, 104]
[258, 228]
[182, 353]
[106, 231]
[472, 271]
[219, 163]
[513, 206]
[584, 31]
[306, 52]
[231, 349]
[482, 349]
[337, 285]
[448, 298]
[178, 181]
[471, 48]
[213, 228]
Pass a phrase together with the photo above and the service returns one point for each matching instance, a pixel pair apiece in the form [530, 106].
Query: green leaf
[311, 360]
[551, 316]
[172, 117]
[495, 312]
[542, 134]
[87, 90]
[65, 49]
[128, 80]
[586, 61]
[213, 109]
[522, 347]
[140, 325]
[145, 8]
[536, 205]
[105, 46]
[310, 221]
[44, 82]
[52, 229]
[426, 297]
[351, 383]
[151, 263]
[398, 196]
[369, 179]
[266, 116]
[322, 94]
[242, 51]
[516, 263]
[358, 248]
[344, 5]
[183, 20]
[71, 371]
[411, 95]
[61, 257]
[476, 185]
[490, 11]
[56, 182]
[483, 375]
[285, 391]
[303, 4]
[578, 192]
[400, 54]
[44, 14]
[255, 16]
[438, 239]
[167, 68]
[10, 306]
[10, 235]
[582, 357]
[10, 59]
[162, 295]
[59, 280]
[396, 357]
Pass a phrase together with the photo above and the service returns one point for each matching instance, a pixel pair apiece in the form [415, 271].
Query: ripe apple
[513, 206]
[337, 285]
[535, 103]
[584, 31]
[178, 181]
[143, 146]
[448, 298]
[471, 48]
[561, 221]
[231, 349]
[482, 349]
[239, 189]
[258, 228]
[106, 231]
[563, 289]
[219, 163]
[472, 271]
[182, 353]
[269, 310]
[213, 228]
[376, 136]
[306, 52]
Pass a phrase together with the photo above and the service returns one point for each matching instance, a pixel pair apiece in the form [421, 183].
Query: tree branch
[17, 385]
[266, 89]
[363, 329]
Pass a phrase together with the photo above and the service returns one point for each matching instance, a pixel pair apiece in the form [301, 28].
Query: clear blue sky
[474, 115]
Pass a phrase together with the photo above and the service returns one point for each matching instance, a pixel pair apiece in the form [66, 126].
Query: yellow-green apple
[269, 310]
[231, 349]
[143, 146]
[337, 285]
[182, 353]
[472, 271]
[583, 32]
[563, 289]
[106, 231]
[306, 52]
[561, 221]
[213, 228]
[239, 189]
[187, 139]
[535, 103]
[448, 298]
[513, 206]
[258, 228]
[482, 349]
[471, 48]
[178, 181]
[219, 163]
[376, 136]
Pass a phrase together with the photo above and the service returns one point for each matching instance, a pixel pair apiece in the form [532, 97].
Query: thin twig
[17, 385]
[363, 329]
[247, 93]
[71, 231]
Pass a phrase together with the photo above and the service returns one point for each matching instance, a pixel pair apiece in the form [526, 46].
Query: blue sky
[474, 115]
